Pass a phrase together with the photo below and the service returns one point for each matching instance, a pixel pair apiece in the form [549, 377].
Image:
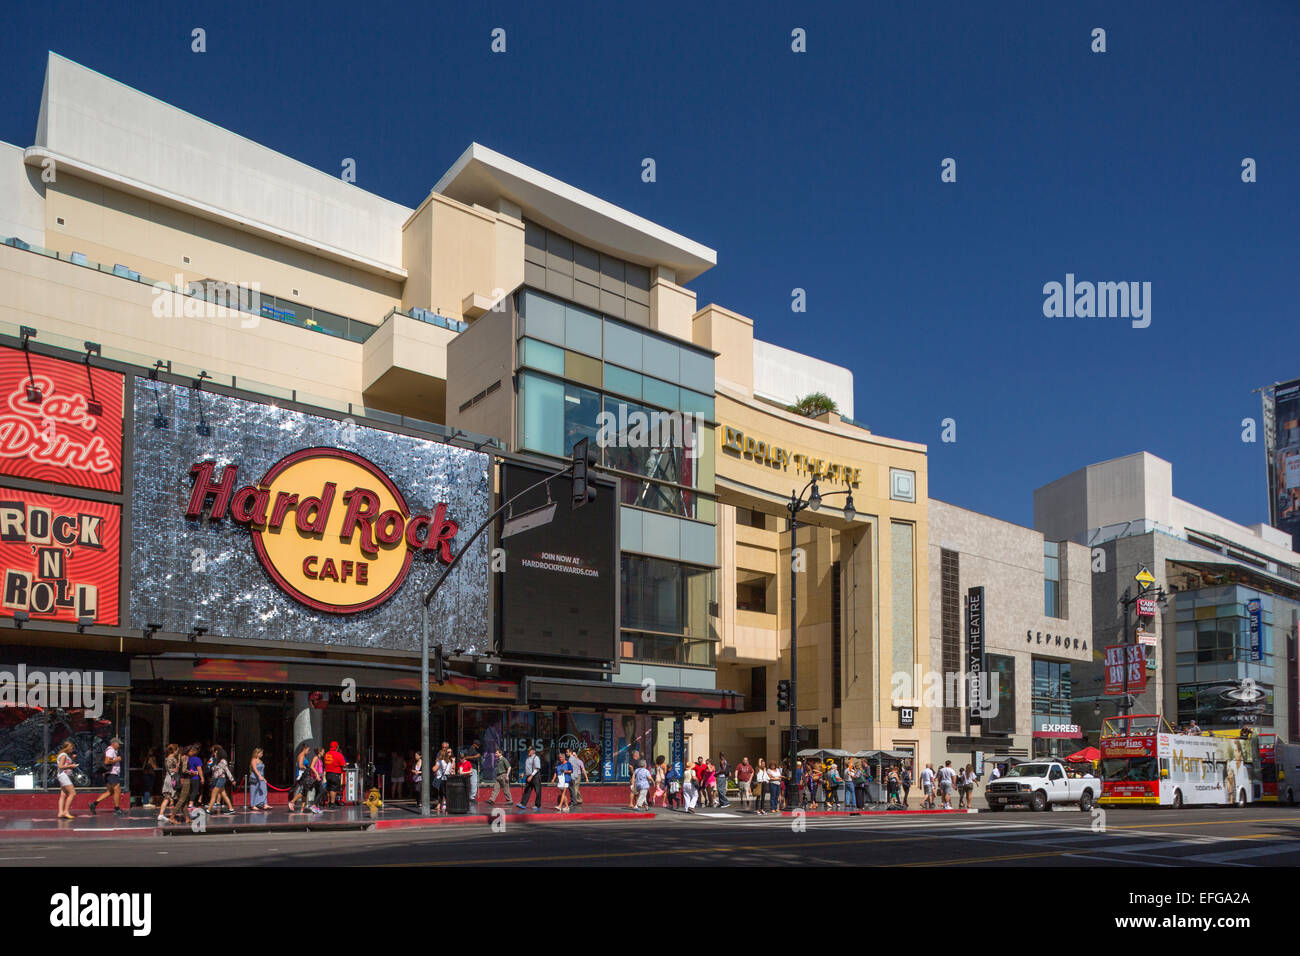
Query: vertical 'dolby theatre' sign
[327, 525]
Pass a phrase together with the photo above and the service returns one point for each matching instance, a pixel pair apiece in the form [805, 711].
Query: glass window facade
[1053, 701]
[514, 731]
[30, 737]
[1216, 651]
[1052, 579]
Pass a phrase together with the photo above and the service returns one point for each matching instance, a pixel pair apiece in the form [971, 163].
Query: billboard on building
[558, 597]
[258, 522]
[1282, 447]
[59, 557]
[60, 422]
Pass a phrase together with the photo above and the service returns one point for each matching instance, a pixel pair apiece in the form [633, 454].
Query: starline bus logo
[329, 527]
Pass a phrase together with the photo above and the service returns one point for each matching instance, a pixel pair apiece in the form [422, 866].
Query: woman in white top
[446, 768]
[690, 787]
[760, 779]
[66, 765]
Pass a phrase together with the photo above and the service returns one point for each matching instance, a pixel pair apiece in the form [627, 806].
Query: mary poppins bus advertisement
[251, 520]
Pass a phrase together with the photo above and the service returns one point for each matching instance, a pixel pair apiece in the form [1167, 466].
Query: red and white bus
[1144, 763]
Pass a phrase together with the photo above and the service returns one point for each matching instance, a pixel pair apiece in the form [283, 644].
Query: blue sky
[821, 171]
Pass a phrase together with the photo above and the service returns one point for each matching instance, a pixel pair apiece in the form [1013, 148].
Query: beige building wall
[761, 478]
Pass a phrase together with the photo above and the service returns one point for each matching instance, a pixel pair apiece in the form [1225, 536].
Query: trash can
[351, 785]
[456, 790]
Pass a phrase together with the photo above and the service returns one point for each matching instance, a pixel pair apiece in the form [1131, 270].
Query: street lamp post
[796, 504]
[1127, 601]
[426, 769]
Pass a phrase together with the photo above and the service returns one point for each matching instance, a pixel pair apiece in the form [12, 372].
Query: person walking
[906, 781]
[690, 788]
[316, 767]
[661, 788]
[301, 777]
[563, 772]
[257, 791]
[891, 784]
[579, 777]
[446, 770]
[834, 785]
[947, 782]
[851, 785]
[927, 787]
[633, 759]
[532, 780]
[64, 764]
[745, 781]
[221, 778]
[710, 784]
[724, 771]
[642, 780]
[673, 783]
[502, 779]
[475, 757]
[171, 768]
[113, 788]
[149, 786]
[186, 782]
[335, 763]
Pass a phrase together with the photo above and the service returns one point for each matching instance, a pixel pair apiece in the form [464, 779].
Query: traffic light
[584, 459]
[783, 695]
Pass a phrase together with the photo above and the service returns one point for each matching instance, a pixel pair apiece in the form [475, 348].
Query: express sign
[329, 526]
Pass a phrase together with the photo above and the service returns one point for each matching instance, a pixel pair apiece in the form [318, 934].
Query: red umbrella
[1086, 755]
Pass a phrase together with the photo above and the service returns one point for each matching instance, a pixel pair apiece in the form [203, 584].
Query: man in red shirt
[335, 762]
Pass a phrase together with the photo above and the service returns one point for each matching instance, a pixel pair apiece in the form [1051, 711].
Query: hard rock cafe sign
[329, 526]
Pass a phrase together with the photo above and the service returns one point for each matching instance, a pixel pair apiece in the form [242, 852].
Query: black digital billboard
[1282, 444]
[558, 595]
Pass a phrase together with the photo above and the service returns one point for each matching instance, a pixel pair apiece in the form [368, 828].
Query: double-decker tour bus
[1286, 761]
[1143, 762]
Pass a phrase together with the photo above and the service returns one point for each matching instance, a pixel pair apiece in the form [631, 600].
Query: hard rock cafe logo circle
[329, 527]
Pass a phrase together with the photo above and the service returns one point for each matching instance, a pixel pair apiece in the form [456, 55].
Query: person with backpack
[221, 778]
[834, 783]
[113, 786]
[673, 783]
[301, 779]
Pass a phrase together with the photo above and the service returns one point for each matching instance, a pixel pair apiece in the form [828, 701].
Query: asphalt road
[1218, 837]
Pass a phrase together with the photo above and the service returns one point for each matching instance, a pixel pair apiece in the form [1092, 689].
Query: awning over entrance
[552, 692]
[311, 675]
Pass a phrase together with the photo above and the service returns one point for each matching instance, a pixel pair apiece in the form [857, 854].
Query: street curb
[422, 822]
[872, 813]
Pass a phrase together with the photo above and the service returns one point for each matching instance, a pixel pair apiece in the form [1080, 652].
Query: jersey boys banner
[59, 557]
[60, 421]
[259, 522]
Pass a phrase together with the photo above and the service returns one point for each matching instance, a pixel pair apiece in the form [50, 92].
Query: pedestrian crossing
[1126, 847]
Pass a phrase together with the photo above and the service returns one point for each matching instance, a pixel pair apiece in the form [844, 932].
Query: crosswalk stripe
[1250, 852]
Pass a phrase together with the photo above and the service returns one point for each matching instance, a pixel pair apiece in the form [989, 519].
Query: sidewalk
[140, 823]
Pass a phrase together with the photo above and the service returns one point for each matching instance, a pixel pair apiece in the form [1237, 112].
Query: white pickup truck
[1039, 784]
